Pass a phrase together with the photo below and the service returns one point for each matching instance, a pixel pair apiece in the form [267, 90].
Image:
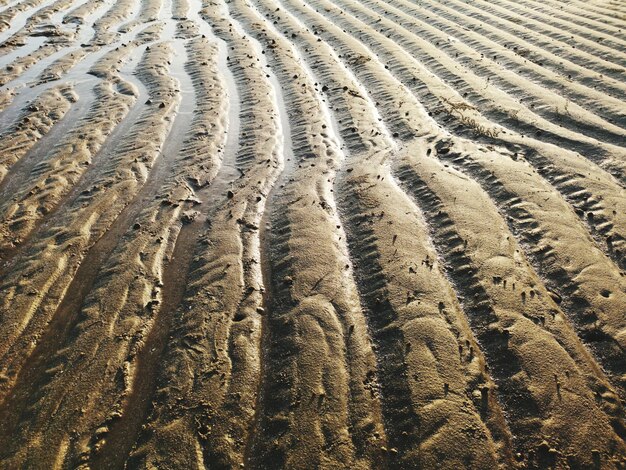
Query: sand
[322, 234]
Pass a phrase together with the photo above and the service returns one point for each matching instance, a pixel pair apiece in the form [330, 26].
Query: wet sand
[323, 234]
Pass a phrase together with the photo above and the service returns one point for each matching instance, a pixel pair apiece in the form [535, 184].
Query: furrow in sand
[60, 67]
[35, 121]
[106, 67]
[41, 24]
[10, 76]
[582, 279]
[53, 177]
[78, 14]
[606, 12]
[121, 10]
[80, 50]
[320, 371]
[47, 266]
[540, 366]
[613, 6]
[8, 15]
[586, 290]
[102, 327]
[19, 170]
[607, 20]
[600, 30]
[596, 198]
[52, 49]
[148, 11]
[615, 274]
[492, 111]
[6, 97]
[204, 418]
[547, 38]
[44, 15]
[9, 3]
[393, 119]
[531, 54]
[572, 337]
[73, 28]
[179, 440]
[601, 197]
[180, 9]
[403, 379]
[547, 92]
[555, 27]
[199, 166]
[334, 234]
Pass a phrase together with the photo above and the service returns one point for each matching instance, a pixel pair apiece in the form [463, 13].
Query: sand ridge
[321, 234]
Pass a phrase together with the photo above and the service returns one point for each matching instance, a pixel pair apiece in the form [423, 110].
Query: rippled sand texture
[364, 234]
